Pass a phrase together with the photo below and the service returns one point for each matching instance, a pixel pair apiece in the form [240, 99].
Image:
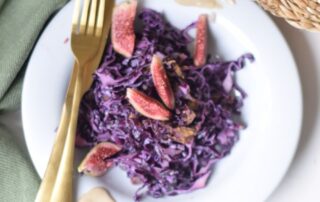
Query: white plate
[273, 110]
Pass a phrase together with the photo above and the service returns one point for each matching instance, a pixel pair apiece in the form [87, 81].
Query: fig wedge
[95, 164]
[147, 106]
[122, 30]
[161, 82]
[200, 50]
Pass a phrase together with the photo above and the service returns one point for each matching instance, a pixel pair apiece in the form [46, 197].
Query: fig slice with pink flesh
[161, 82]
[147, 106]
[200, 50]
[95, 163]
[122, 30]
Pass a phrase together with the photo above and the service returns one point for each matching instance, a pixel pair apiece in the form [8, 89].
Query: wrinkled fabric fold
[21, 22]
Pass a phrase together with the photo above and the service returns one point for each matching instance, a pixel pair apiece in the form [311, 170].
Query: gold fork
[85, 44]
[95, 26]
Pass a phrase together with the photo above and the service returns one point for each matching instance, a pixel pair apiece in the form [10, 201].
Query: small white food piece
[97, 194]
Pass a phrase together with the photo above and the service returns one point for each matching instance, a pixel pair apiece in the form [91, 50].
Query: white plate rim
[299, 110]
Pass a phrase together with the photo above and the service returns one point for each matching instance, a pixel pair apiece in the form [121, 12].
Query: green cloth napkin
[21, 21]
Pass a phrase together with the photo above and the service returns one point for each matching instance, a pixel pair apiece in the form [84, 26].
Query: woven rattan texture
[303, 14]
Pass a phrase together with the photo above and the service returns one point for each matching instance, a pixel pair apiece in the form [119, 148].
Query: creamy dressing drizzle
[204, 3]
[200, 3]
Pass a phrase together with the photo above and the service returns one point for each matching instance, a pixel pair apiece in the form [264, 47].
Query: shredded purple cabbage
[150, 156]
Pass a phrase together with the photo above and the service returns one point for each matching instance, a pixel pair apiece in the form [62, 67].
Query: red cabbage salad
[170, 120]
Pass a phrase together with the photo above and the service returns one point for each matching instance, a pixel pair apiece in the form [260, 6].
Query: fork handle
[63, 187]
[48, 180]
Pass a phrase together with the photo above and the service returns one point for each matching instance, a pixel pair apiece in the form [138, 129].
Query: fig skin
[200, 50]
[162, 82]
[95, 164]
[122, 28]
[147, 106]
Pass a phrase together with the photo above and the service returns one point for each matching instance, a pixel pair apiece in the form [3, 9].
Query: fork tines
[88, 19]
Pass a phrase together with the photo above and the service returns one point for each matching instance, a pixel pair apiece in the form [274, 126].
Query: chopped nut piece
[188, 115]
[183, 134]
[176, 68]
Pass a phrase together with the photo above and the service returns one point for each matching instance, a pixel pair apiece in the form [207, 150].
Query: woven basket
[303, 14]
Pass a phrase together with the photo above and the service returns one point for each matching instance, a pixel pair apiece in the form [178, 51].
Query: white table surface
[302, 181]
